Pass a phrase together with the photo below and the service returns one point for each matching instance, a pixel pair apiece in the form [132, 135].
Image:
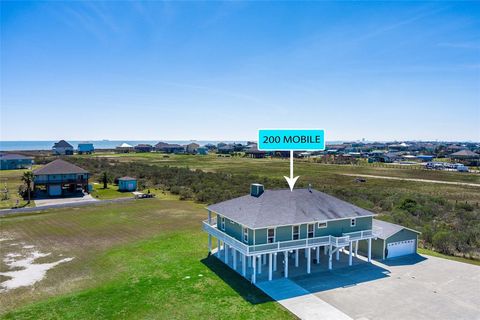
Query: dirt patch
[23, 271]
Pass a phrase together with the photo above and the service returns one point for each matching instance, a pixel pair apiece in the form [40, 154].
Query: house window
[245, 235]
[353, 222]
[310, 230]
[295, 232]
[271, 235]
[322, 225]
[222, 223]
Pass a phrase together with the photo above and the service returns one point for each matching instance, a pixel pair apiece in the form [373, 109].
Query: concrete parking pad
[61, 201]
[413, 287]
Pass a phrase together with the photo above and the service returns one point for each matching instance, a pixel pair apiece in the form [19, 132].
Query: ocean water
[100, 144]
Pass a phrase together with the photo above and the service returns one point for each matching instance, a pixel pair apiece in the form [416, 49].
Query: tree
[105, 179]
[27, 178]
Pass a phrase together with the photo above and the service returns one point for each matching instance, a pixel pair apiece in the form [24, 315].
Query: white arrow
[291, 181]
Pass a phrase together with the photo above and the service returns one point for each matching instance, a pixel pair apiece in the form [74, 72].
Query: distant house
[464, 154]
[192, 147]
[11, 161]
[466, 157]
[124, 148]
[202, 151]
[221, 144]
[60, 178]
[255, 153]
[210, 146]
[62, 147]
[127, 184]
[169, 148]
[85, 148]
[143, 148]
[225, 149]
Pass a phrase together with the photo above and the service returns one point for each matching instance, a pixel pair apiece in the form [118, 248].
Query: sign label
[291, 139]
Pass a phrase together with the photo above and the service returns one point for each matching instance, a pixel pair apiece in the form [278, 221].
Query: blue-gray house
[11, 161]
[270, 224]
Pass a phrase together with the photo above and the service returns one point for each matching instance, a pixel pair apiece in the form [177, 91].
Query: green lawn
[110, 193]
[277, 167]
[142, 259]
[11, 180]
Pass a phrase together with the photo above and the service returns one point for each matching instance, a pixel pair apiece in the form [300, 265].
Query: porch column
[350, 249]
[356, 248]
[337, 254]
[209, 243]
[234, 259]
[226, 252]
[325, 250]
[369, 249]
[330, 258]
[218, 248]
[249, 261]
[296, 258]
[270, 267]
[254, 273]
[309, 255]
[275, 261]
[285, 264]
[260, 264]
[318, 255]
[305, 253]
[244, 265]
[264, 259]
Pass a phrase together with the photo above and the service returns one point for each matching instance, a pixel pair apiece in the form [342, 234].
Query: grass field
[277, 167]
[11, 180]
[444, 256]
[144, 259]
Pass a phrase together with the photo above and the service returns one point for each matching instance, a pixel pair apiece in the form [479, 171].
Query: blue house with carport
[12, 161]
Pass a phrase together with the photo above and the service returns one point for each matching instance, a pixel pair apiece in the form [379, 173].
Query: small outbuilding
[392, 241]
[127, 184]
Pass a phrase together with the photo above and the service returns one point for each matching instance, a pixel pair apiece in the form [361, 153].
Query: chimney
[256, 189]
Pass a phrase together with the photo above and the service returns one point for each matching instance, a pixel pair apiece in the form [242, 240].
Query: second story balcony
[278, 246]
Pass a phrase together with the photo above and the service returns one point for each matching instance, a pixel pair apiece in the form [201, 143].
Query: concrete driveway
[414, 287]
[61, 201]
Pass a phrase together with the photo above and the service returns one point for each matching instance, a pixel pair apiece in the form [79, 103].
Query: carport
[393, 241]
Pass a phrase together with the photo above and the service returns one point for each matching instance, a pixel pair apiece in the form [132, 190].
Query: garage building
[392, 241]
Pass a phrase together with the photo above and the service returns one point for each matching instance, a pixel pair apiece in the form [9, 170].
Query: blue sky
[221, 70]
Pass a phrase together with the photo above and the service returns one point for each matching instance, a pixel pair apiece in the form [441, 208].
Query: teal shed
[127, 184]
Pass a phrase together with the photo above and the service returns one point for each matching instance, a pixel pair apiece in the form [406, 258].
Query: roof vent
[256, 189]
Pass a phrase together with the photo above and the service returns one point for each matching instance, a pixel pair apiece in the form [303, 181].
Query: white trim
[353, 222]
[313, 230]
[222, 223]
[243, 234]
[296, 225]
[322, 227]
[274, 235]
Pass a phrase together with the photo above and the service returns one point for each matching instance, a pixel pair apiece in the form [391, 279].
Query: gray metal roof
[59, 167]
[387, 229]
[62, 144]
[285, 207]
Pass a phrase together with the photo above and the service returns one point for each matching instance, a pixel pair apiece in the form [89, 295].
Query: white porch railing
[343, 241]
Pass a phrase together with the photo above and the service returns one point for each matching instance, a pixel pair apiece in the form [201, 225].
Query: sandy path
[412, 179]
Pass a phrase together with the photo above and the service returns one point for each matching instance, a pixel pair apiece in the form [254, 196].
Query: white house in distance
[62, 147]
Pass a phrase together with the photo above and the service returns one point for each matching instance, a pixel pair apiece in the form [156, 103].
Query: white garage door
[55, 190]
[400, 248]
